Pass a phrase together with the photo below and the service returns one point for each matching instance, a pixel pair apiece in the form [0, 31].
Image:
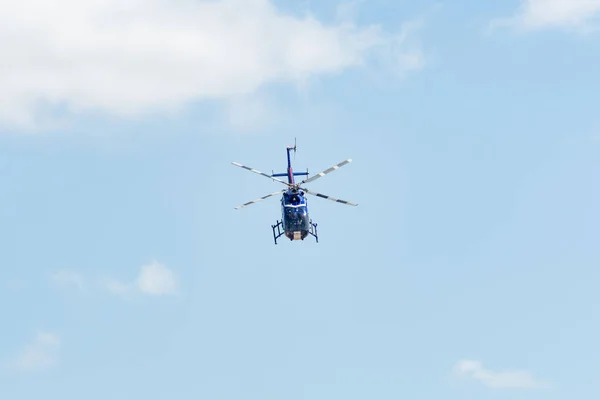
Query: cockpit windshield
[296, 217]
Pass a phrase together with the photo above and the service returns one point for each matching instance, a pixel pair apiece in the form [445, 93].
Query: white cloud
[153, 279]
[66, 278]
[146, 56]
[540, 14]
[42, 353]
[470, 369]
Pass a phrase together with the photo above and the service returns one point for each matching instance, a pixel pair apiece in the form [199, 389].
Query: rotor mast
[290, 172]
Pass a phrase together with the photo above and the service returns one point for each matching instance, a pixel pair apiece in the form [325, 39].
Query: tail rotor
[294, 149]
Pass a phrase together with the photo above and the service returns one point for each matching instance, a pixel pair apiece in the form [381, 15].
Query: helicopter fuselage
[295, 221]
[294, 215]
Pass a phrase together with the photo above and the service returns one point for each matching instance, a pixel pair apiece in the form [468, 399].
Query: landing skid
[279, 233]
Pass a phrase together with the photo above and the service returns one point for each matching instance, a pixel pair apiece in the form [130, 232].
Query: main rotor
[291, 184]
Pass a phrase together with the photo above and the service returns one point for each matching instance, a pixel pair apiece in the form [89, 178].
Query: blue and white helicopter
[295, 221]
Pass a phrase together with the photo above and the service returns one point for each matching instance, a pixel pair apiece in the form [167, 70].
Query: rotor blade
[323, 196]
[323, 173]
[259, 199]
[260, 173]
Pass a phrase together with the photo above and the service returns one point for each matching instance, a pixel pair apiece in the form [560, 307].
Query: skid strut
[277, 235]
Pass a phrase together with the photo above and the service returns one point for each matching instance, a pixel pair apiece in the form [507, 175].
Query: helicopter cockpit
[295, 212]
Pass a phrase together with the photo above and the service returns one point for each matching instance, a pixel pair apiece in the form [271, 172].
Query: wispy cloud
[507, 379]
[66, 278]
[564, 14]
[153, 279]
[116, 287]
[348, 10]
[138, 57]
[42, 353]
[251, 113]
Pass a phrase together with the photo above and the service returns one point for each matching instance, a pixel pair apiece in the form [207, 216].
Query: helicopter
[295, 221]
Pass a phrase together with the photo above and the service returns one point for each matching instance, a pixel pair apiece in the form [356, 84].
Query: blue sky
[468, 270]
